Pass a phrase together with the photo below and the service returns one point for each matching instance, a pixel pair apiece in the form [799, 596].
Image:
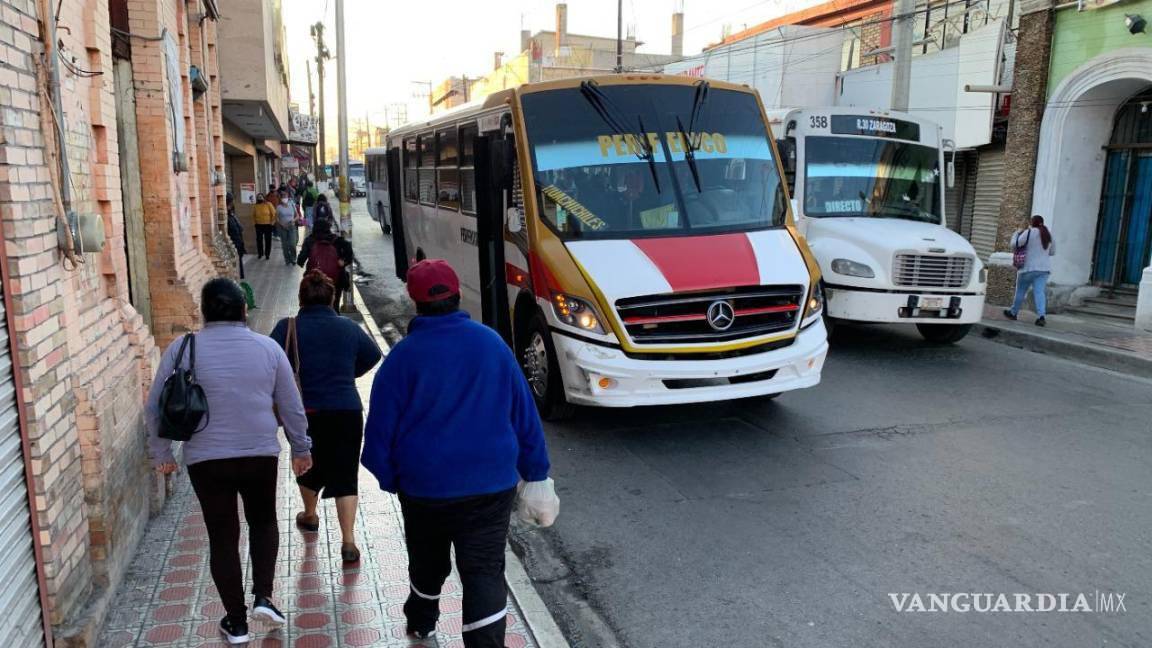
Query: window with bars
[426, 144]
[447, 170]
[468, 134]
[411, 183]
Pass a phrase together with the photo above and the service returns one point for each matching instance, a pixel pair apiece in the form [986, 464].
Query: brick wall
[85, 353]
[174, 222]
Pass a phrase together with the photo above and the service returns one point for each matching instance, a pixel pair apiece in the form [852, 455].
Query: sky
[391, 43]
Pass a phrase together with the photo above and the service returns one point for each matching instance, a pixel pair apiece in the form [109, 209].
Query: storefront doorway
[1123, 246]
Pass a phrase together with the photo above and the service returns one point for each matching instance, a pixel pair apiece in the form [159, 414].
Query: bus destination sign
[875, 126]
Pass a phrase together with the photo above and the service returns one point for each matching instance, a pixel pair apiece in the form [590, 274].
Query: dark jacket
[334, 352]
[451, 414]
[343, 249]
[236, 233]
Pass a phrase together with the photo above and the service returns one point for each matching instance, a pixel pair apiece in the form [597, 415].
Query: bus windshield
[849, 176]
[633, 161]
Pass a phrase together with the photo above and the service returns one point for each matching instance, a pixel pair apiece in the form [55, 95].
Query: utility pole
[416, 96]
[311, 108]
[619, 36]
[902, 50]
[342, 98]
[322, 55]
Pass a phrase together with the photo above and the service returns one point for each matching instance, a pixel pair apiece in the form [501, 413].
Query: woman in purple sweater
[243, 374]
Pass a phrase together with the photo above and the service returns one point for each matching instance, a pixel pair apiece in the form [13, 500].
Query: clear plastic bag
[537, 503]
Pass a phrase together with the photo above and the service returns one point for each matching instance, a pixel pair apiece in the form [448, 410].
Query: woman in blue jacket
[333, 352]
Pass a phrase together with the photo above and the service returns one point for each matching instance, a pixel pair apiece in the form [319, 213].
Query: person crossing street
[453, 430]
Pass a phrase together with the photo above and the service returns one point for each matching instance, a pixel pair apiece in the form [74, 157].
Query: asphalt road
[910, 469]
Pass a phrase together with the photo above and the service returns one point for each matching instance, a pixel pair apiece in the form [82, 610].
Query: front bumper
[891, 307]
[642, 382]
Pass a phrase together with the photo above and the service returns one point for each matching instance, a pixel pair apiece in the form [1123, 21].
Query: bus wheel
[541, 369]
[944, 333]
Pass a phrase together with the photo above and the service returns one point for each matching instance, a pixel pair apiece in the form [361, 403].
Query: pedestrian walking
[452, 429]
[329, 253]
[308, 201]
[1033, 249]
[264, 218]
[287, 222]
[235, 232]
[242, 375]
[333, 351]
[323, 211]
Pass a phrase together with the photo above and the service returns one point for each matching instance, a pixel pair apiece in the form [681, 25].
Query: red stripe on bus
[703, 262]
[787, 308]
[664, 319]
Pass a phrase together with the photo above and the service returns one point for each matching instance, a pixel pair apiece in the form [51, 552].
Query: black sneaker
[235, 630]
[421, 634]
[1041, 322]
[1009, 314]
[263, 609]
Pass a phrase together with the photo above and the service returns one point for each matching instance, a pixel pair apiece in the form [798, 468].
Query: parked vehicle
[356, 181]
[628, 235]
[868, 195]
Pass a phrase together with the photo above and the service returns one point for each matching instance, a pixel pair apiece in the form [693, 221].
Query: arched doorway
[1079, 121]
[1124, 229]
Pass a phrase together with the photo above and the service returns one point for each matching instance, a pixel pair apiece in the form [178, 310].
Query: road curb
[532, 608]
[1039, 342]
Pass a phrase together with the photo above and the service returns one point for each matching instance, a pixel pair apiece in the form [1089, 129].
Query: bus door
[395, 207]
[494, 154]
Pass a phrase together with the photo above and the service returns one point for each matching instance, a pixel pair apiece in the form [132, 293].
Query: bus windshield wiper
[686, 134]
[607, 112]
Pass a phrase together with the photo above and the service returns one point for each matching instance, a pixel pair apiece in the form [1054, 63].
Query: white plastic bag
[537, 503]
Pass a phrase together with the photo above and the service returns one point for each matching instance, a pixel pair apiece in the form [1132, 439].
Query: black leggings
[478, 528]
[264, 241]
[217, 483]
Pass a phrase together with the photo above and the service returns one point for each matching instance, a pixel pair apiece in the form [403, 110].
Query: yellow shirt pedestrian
[264, 214]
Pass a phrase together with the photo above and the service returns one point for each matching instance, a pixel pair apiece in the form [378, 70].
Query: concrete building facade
[254, 99]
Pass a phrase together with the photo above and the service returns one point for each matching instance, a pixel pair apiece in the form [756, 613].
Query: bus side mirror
[513, 221]
[950, 165]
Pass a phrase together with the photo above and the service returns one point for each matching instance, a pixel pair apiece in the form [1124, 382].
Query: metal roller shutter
[986, 205]
[21, 624]
[958, 198]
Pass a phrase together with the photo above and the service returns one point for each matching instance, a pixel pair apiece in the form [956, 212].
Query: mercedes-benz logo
[721, 316]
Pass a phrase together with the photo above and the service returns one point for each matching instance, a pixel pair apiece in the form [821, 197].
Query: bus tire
[944, 333]
[537, 357]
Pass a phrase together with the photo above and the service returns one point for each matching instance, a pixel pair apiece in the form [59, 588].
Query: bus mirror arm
[950, 165]
[513, 221]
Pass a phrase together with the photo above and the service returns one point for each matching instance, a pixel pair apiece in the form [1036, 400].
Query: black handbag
[183, 404]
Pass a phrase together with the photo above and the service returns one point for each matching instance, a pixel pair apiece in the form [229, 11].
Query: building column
[1029, 96]
[179, 255]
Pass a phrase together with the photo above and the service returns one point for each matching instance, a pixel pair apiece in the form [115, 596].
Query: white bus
[356, 178]
[376, 187]
[628, 235]
[869, 198]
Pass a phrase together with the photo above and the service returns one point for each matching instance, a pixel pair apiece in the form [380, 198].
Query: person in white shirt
[1036, 241]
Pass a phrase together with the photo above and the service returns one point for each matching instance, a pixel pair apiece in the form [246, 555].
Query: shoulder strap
[292, 345]
[180, 354]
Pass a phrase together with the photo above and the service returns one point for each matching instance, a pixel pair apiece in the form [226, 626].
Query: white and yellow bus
[628, 235]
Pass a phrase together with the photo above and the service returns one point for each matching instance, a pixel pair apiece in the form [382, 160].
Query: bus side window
[411, 183]
[468, 134]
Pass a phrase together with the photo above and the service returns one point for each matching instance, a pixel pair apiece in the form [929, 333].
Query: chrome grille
[932, 270]
[683, 317]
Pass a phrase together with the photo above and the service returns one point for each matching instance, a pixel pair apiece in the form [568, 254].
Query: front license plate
[931, 303]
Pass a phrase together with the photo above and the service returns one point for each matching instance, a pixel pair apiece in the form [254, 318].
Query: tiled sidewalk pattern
[168, 599]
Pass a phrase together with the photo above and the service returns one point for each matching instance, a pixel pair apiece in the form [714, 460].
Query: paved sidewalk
[168, 599]
[1117, 346]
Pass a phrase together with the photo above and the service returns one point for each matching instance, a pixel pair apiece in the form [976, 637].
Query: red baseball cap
[432, 280]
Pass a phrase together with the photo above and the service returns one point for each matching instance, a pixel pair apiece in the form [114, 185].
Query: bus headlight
[576, 312]
[814, 307]
[852, 268]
